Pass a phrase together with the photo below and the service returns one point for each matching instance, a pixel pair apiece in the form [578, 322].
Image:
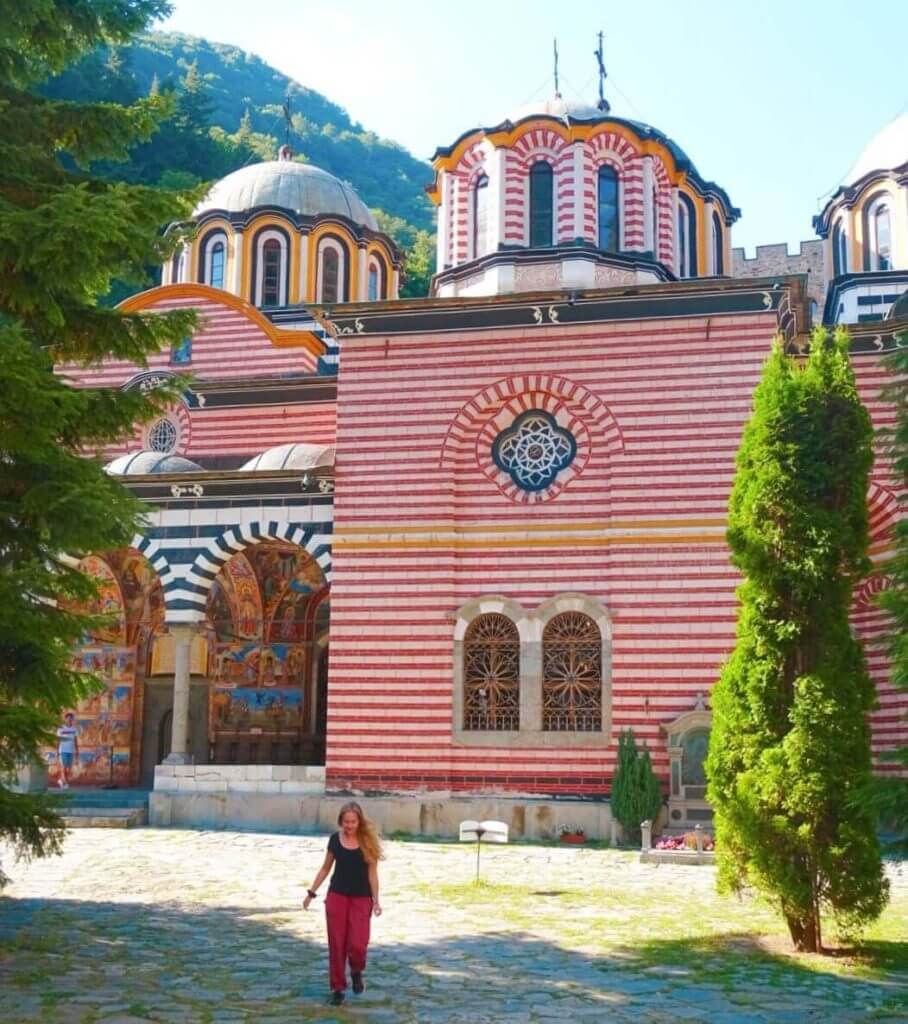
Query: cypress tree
[889, 796]
[790, 742]
[636, 795]
[65, 236]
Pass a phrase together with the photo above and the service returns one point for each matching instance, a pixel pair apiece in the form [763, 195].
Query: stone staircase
[105, 808]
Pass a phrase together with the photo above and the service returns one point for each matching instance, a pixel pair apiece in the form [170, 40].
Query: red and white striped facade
[424, 528]
[575, 141]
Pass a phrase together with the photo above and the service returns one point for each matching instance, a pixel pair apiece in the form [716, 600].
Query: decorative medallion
[534, 450]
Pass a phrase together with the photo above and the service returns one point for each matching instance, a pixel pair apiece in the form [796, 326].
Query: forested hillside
[229, 113]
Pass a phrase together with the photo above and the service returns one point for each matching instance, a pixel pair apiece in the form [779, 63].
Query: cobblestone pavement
[181, 926]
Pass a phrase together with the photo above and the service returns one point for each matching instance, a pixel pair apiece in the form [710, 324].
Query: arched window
[687, 236]
[655, 202]
[271, 264]
[491, 686]
[213, 259]
[332, 271]
[541, 203]
[571, 674]
[609, 226]
[718, 246]
[376, 279]
[879, 237]
[839, 250]
[271, 273]
[178, 267]
[481, 216]
[216, 269]
[330, 275]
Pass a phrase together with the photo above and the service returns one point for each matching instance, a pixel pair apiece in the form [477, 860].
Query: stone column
[179, 736]
[649, 213]
[238, 264]
[444, 218]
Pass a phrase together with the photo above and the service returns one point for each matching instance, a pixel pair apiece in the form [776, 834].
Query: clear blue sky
[772, 99]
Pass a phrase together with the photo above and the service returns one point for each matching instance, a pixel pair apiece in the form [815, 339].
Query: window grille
[571, 674]
[491, 674]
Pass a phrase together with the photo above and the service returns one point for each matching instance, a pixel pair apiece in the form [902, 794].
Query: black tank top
[351, 873]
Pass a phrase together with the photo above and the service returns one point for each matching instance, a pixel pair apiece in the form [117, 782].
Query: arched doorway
[266, 612]
[109, 721]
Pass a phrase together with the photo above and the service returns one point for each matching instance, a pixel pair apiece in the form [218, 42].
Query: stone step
[76, 797]
[105, 817]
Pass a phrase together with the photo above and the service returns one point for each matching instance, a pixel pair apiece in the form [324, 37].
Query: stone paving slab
[182, 927]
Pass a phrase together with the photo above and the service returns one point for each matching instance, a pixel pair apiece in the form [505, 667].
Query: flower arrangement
[571, 834]
[686, 842]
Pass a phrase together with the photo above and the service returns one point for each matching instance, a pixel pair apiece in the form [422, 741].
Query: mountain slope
[236, 101]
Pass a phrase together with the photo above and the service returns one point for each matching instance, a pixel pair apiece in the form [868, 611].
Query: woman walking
[354, 853]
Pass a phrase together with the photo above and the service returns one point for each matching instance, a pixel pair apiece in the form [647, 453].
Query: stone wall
[776, 259]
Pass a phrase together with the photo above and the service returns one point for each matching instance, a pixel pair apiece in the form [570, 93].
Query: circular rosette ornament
[534, 450]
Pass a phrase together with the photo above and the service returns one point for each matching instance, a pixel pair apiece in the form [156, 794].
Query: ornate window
[687, 236]
[571, 674]
[541, 204]
[163, 436]
[491, 685]
[609, 226]
[534, 450]
[718, 246]
[879, 237]
[839, 250]
[480, 216]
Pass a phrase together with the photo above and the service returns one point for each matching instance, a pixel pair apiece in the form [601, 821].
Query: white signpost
[480, 832]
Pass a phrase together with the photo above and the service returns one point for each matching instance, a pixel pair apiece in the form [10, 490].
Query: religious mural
[130, 597]
[261, 610]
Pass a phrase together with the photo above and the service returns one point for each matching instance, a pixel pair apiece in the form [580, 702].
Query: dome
[146, 463]
[292, 456]
[559, 107]
[305, 189]
[887, 150]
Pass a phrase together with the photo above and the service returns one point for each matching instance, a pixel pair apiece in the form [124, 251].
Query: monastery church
[440, 552]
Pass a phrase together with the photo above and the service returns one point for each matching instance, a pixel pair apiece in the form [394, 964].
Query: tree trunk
[803, 931]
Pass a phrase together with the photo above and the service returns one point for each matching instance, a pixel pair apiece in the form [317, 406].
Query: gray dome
[146, 463]
[559, 107]
[292, 456]
[305, 189]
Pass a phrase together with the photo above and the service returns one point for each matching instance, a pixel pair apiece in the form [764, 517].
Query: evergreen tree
[66, 236]
[889, 796]
[636, 795]
[790, 742]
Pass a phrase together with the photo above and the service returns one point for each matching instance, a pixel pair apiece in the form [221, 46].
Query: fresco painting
[246, 709]
[260, 610]
[108, 720]
[108, 600]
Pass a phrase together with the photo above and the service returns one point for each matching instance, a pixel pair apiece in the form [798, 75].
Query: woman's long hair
[366, 833]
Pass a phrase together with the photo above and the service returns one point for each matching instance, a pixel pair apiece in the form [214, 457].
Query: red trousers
[349, 918]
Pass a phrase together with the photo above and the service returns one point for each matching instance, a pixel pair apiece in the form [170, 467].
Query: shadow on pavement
[70, 960]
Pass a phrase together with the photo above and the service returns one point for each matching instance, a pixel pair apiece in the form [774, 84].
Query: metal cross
[603, 74]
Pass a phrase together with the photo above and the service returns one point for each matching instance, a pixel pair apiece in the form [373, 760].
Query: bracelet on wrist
[311, 892]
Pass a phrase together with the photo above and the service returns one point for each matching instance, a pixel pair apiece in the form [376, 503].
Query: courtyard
[183, 926]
